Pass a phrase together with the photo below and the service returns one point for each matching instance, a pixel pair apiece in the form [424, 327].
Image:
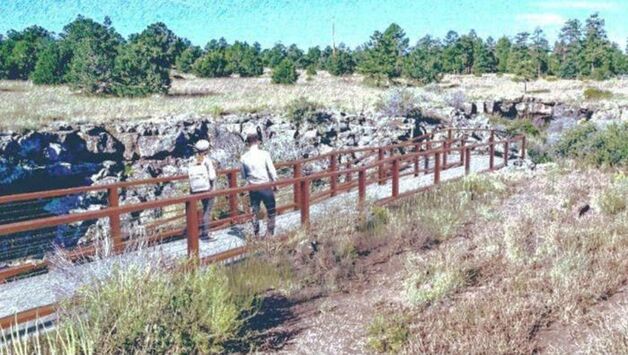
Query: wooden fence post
[462, 150]
[361, 187]
[523, 147]
[296, 194]
[506, 147]
[428, 147]
[192, 228]
[417, 148]
[233, 197]
[333, 167]
[467, 161]
[395, 178]
[113, 199]
[491, 151]
[445, 150]
[436, 168]
[380, 171]
[305, 203]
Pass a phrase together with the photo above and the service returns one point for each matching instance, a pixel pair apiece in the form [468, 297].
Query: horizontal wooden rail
[394, 167]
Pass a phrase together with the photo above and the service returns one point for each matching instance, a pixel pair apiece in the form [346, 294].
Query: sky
[309, 22]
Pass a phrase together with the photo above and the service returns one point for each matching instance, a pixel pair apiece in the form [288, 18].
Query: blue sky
[308, 22]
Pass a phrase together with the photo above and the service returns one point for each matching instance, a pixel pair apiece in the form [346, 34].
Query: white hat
[202, 145]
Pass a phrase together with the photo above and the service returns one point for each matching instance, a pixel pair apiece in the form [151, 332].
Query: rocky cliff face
[63, 155]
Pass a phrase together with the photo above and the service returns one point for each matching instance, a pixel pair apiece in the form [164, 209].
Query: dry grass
[28, 106]
[534, 263]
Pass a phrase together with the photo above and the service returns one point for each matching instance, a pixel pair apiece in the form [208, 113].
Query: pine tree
[21, 50]
[313, 57]
[141, 69]
[185, 61]
[483, 58]
[93, 48]
[384, 52]
[51, 66]
[285, 72]
[538, 51]
[424, 61]
[595, 58]
[342, 63]
[212, 64]
[159, 36]
[520, 62]
[502, 52]
[452, 54]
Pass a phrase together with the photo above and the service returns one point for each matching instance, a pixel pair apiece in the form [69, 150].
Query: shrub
[525, 127]
[430, 282]
[613, 200]
[311, 70]
[141, 308]
[540, 154]
[597, 94]
[377, 218]
[397, 103]
[456, 99]
[607, 146]
[301, 110]
[212, 65]
[285, 73]
[388, 335]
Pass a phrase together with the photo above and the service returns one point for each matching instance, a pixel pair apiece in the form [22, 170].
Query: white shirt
[257, 166]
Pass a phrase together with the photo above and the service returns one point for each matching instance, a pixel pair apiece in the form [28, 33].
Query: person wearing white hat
[202, 175]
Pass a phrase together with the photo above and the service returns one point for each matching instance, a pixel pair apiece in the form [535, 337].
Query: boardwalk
[61, 283]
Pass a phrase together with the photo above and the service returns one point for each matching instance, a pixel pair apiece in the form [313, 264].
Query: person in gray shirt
[257, 168]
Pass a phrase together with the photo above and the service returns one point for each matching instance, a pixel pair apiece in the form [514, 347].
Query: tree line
[94, 58]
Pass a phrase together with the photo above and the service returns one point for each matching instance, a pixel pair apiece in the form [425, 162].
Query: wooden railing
[375, 165]
[341, 175]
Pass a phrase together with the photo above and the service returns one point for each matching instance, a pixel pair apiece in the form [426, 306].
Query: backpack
[199, 178]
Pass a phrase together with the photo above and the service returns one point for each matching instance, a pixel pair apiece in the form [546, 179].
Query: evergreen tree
[483, 57]
[538, 51]
[272, 57]
[186, 60]
[21, 49]
[216, 45]
[383, 54]
[141, 69]
[160, 37]
[466, 45]
[520, 61]
[313, 57]
[244, 59]
[342, 63]
[212, 64]
[595, 56]
[502, 52]
[51, 66]
[424, 61]
[92, 48]
[452, 54]
[285, 72]
[296, 56]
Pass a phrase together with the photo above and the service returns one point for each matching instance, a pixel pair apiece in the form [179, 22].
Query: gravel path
[61, 282]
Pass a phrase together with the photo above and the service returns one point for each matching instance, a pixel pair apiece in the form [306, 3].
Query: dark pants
[208, 204]
[267, 197]
[206, 218]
